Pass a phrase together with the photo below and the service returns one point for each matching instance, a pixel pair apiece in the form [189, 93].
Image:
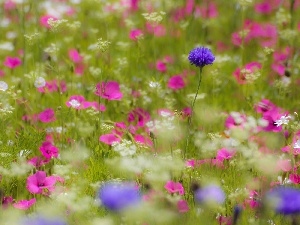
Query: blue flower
[201, 57]
[284, 200]
[210, 194]
[118, 196]
[43, 221]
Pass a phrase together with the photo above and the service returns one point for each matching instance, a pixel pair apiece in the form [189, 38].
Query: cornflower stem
[192, 113]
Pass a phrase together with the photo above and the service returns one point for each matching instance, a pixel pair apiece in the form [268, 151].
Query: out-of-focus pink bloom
[109, 139]
[241, 74]
[271, 116]
[75, 56]
[24, 204]
[138, 117]
[174, 187]
[182, 206]
[44, 20]
[224, 154]
[2, 74]
[9, 5]
[295, 178]
[264, 106]
[94, 105]
[135, 34]
[187, 111]
[75, 101]
[176, 82]
[38, 183]
[157, 29]
[53, 86]
[161, 66]
[280, 59]
[7, 201]
[12, 62]
[38, 161]
[208, 10]
[49, 150]
[253, 200]
[47, 116]
[109, 90]
[143, 140]
[79, 69]
[263, 7]
[235, 119]
[284, 165]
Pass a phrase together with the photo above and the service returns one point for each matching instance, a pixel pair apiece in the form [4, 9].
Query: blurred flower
[47, 116]
[3, 86]
[283, 120]
[284, 200]
[43, 221]
[210, 194]
[201, 57]
[109, 90]
[12, 62]
[174, 187]
[135, 34]
[119, 196]
[39, 182]
[182, 206]
[243, 75]
[176, 82]
[24, 204]
[49, 150]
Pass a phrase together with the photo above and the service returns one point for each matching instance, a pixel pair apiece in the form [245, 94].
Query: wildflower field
[149, 112]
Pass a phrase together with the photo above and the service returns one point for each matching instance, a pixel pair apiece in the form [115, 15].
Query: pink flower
[52, 86]
[38, 161]
[208, 11]
[182, 206]
[157, 29]
[224, 154]
[174, 187]
[44, 20]
[38, 183]
[94, 105]
[75, 101]
[24, 204]
[264, 106]
[109, 139]
[161, 66]
[263, 7]
[75, 56]
[139, 117]
[284, 165]
[6, 201]
[49, 150]
[143, 140]
[241, 74]
[109, 90]
[235, 119]
[2, 74]
[135, 34]
[47, 116]
[271, 116]
[12, 62]
[295, 178]
[176, 82]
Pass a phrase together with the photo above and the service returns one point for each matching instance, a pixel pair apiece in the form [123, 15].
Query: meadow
[149, 112]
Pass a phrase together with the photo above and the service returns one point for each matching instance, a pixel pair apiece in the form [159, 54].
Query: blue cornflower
[210, 194]
[118, 196]
[43, 221]
[201, 57]
[284, 200]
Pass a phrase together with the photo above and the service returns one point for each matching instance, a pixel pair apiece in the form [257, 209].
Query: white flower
[297, 144]
[39, 82]
[74, 103]
[283, 120]
[3, 86]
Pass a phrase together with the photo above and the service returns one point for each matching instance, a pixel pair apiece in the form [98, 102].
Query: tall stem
[192, 113]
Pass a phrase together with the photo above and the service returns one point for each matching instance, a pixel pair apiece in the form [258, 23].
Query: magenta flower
[241, 74]
[6, 201]
[271, 117]
[75, 56]
[49, 150]
[182, 206]
[109, 138]
[109, 90]
[138, 117]
[12, 62]
[38, 161]
[224, 154]
[24, 204]
[38, 183]
[44, 20]
[161, 66]
[176, 82]
[135, 34]
[47, 116]
[264, 106]
[174, 187]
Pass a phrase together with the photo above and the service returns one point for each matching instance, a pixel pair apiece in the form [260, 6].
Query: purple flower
[210, 194]
[201, 57]
[284, 200]
[43, 221]
[119, 196]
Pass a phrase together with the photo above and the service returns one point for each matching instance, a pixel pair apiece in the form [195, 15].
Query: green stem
[192, 113]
